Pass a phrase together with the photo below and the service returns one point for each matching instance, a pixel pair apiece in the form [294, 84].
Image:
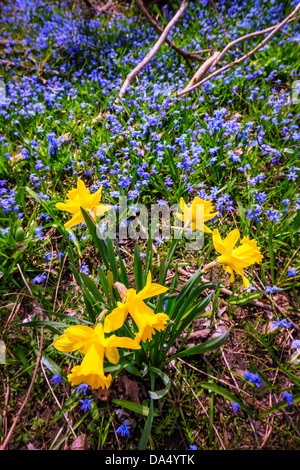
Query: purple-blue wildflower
[124, 429]
[39, 278]
[86, 404]
[57, 378]
[254, 378]
[288, 397]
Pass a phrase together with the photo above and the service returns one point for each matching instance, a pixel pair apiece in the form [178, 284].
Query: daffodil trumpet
[146, 321]
[196, 214]
[82, 198]
[94, 346]
[234, 260]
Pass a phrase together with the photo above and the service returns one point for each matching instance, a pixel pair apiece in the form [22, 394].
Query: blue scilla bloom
[39, 165]
[4, 231]
[295, 343]
[56, 379]
[292, 272]
[39, 278]
[254, 378]
[86, 404]
[45, 216]
[82, 387]
[235, 406]
[193, 447]
[48, 256]
[288, 397]
[84, 269]
[281, 323]
[38, 233]
[123, 429]
[60, 254]
[272, 289]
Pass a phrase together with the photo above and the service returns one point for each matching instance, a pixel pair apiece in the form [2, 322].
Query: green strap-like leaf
[225, 394]
[138, 269]
[132, 406]
[148, 425]
[157, 394]
[93, 289]
[205, 347]
[99, 243]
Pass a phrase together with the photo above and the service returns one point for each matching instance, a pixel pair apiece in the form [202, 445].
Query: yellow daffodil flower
[145, 319]
[235, 259]
[91, 342]
[81, 197]
[199, 212]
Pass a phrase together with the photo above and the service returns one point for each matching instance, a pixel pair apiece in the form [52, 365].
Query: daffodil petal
[112, 355]
[76, 219]
[115, 320]
[231, 239]
[73, 338]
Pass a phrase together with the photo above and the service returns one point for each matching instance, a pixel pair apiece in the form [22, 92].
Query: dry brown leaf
[79, 443]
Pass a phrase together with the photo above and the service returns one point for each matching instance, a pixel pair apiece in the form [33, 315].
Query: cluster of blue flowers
[152, 144]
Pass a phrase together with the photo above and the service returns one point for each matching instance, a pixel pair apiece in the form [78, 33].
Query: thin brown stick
[130, 77]
[186, 55]
[199, 402]
[9, 435]
[58, 404]
[202, 71]
[228, 292]
[274, 30]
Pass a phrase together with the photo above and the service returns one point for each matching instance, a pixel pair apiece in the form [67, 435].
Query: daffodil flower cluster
[94, 344]
[97, 343]
[81, 197]
[233, 260]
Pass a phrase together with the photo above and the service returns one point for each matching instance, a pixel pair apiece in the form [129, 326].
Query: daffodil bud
[122, 290]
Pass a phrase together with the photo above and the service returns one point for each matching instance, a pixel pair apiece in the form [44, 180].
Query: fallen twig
[9, 435]
[202, 71]
[130, 77]
[199, 402]
[272, 31]
[58, 403]
[186, 55]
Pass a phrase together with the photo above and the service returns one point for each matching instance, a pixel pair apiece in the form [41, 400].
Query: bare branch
[273, 29]
[186, 55]
[130, 77]
[201, 72]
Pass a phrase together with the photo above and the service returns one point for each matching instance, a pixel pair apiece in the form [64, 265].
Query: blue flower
[254, 378]
[38, 233]
[86, 404]
[82, 387]
[124, 429]
[56, 379]
[193, 447]
[60, 254]
[288, 397]
[281, 323]
[84, 269]
[292, 272]
[235, 406]
[271, 289]
[4, 231]
[295, 343]
[48, 256]
[39, 278]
